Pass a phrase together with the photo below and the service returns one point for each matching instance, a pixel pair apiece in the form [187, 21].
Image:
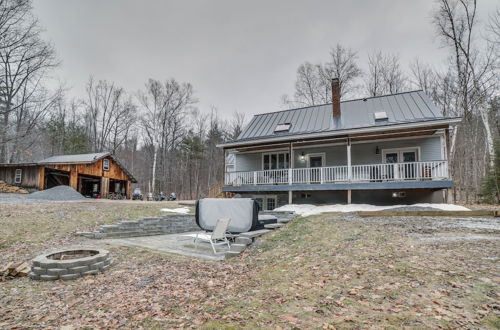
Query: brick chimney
[336, 97]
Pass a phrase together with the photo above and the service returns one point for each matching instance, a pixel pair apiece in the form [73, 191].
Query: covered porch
[396, 161]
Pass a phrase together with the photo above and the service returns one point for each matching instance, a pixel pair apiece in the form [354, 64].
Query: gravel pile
[59, 193]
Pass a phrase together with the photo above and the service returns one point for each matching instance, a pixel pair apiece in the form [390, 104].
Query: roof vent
[285, 127]
[382, 115]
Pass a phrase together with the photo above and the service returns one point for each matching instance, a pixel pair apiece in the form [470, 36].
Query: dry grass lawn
[318, 272]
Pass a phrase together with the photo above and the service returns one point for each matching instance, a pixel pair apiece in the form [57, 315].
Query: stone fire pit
[69, 264]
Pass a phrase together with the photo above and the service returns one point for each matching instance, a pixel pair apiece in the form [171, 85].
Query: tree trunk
[155, 155]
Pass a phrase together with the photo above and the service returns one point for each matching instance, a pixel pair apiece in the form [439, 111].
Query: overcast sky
[239, 55]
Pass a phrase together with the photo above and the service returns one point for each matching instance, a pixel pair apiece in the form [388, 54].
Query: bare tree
[313, 85]
[163, 105]
[385, 75]
[308, 87]
[25, 60]
[342, 65]
[473, 68]
[109, 115]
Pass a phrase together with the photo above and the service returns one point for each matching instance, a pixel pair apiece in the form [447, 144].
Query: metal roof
[82, 158]
[401, 108]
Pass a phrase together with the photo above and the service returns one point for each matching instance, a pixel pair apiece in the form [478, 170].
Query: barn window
[18, 176]
[105, 164]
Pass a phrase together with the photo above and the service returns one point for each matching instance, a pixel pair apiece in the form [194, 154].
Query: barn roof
[81, 158]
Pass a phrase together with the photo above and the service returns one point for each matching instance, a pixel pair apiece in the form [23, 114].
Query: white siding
[430, 149]
[362, 153]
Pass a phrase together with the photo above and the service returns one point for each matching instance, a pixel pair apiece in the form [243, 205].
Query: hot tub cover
[243, 213]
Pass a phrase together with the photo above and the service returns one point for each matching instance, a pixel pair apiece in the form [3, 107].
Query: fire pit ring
[70, 264]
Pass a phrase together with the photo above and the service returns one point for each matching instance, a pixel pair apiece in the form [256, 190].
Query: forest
[169, 145]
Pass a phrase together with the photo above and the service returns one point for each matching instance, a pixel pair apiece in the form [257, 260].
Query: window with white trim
[275, 160]
[105, 164]
[18, 176]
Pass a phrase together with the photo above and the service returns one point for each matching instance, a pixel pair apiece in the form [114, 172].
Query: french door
[406, 170]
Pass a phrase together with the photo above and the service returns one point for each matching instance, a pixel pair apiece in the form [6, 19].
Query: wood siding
[33, 176]
[95, 169]
[29, 176]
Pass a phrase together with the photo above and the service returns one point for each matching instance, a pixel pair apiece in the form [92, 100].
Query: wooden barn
[93, 175]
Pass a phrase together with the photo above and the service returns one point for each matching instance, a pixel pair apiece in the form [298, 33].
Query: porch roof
[407, 109]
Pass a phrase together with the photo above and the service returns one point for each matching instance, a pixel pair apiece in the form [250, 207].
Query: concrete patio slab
[172, 243]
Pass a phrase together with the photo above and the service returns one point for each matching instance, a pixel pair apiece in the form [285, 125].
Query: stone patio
[172, 243]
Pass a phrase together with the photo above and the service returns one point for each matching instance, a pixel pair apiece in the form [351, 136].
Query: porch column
[73, 179]
[41, 178]
[290, 172]
[349, 196]
[349, 169]
[291, 160]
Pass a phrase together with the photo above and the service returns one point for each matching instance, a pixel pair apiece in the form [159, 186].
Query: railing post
[349, 167]
[290, 180]
[254, 178]
[321, 178]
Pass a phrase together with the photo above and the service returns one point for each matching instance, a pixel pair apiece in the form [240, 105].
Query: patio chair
[216, 237]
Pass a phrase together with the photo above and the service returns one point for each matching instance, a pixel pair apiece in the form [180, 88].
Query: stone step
[238, 247]
[255, 233]
[231, 254]
[274, 225]
[243, 240]
[284, 220]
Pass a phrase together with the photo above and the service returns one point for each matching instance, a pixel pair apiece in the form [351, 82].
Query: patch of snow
[181, 210]
[307, 209]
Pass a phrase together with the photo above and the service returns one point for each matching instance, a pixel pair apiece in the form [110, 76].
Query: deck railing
[432, 170]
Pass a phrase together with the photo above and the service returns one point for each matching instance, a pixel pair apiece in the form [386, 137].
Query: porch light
[302, 156]
[377, 151]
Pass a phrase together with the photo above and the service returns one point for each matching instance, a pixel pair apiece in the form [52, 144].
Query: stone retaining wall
[165, 224]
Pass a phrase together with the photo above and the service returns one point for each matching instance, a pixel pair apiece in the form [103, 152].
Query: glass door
[390, 158]
[405, 159]
[315, 163]
[409, 158]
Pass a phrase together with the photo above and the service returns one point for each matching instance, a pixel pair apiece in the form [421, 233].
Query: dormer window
[285, 127]
[381, 115]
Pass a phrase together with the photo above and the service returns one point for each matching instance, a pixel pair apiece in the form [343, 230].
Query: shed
[95, 174]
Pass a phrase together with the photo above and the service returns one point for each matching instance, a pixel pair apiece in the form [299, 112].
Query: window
[266, 202]
[271, 203]
[18, 176]
[285, 127]
[105, 164]
[275, 160]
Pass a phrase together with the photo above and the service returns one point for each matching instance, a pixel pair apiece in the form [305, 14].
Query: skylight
[282, 127]
[382, 115]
